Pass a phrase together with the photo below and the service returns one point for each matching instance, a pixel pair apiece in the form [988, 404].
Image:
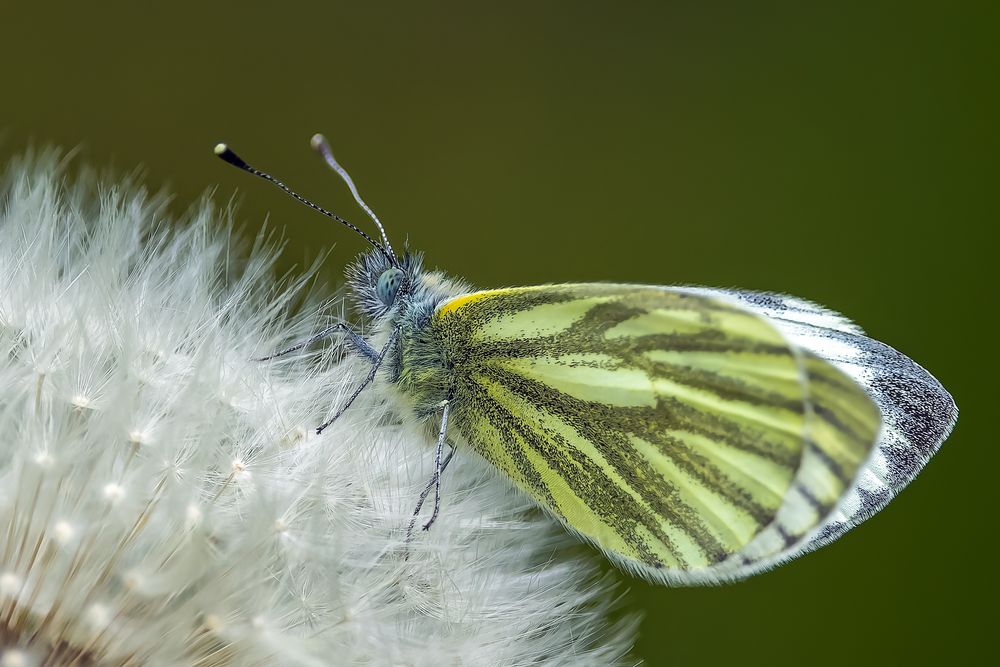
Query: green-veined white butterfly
[694, 435]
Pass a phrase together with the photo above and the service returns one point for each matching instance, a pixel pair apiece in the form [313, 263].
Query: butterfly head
[379, 286]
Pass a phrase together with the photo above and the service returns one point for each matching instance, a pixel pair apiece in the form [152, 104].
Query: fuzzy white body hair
[164, 501]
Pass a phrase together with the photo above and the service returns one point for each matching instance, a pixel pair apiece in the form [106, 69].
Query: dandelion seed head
[214, 623]
[164, 499]
[9, 584]
[192, 516]
[16, 658]
[113, 492]
[98, 616]
[63, 532]
[44, 460]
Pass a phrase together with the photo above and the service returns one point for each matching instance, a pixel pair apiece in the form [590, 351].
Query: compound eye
[388, 285]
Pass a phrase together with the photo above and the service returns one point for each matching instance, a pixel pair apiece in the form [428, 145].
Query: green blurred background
[844, 152]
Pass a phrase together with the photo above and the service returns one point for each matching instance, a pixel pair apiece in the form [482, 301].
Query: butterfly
[693, 435]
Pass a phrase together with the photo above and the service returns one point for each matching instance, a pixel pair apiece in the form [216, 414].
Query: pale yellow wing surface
[682, 435]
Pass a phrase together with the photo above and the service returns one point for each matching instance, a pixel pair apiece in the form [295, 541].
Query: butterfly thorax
[418, 367]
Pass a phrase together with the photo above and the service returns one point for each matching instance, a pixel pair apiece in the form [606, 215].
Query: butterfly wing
[682, 434]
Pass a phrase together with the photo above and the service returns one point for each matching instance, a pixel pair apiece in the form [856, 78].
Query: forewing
[680, 433]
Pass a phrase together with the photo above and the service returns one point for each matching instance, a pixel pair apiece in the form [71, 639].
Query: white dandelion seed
[164, 500]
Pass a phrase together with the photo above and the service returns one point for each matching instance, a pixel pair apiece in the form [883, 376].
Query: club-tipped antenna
[227, 154]
[322, 146]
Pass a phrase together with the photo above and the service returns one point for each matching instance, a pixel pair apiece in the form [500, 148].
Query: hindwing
[682, 434]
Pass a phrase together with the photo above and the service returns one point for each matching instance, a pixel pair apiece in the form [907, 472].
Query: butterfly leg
[435, 482]
[376, 364]
[359, 344]
[438, 466]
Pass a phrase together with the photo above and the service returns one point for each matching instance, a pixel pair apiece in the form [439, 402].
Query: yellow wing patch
[465, 299]
[682, 435]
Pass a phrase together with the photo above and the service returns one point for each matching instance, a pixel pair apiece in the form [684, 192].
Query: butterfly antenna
[227, 154]
[322, 146]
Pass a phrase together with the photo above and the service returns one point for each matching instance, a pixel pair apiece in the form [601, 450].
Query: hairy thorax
[422, 370]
